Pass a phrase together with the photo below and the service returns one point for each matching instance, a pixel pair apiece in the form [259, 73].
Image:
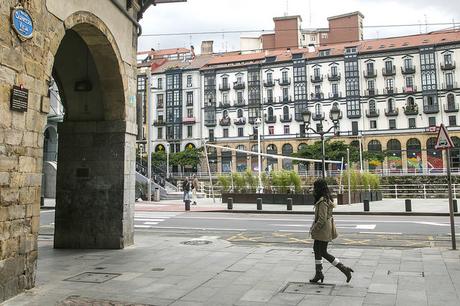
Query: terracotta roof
[164, 52]
[196, 63]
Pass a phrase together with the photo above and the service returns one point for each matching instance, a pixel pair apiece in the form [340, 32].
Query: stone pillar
[94, 192]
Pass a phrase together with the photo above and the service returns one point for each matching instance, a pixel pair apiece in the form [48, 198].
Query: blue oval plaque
[22, 23]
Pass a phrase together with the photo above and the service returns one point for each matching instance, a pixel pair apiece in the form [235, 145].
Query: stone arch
[394, 155]
[287, 150]
[414, 155]
[434, 161]
[96, 139]
[272, 162]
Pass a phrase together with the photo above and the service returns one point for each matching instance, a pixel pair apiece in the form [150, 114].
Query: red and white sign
[443, 141]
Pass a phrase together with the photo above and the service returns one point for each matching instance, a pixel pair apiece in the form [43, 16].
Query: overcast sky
[244, 15]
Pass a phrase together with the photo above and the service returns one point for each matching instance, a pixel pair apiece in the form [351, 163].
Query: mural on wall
[434, 162]
[414, 162]
[395, 162]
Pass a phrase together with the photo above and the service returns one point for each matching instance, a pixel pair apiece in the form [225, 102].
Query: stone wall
[30, 63]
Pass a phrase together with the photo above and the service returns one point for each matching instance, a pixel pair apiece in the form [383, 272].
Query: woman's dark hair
[320, 189]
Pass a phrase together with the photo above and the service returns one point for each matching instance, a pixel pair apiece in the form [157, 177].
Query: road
[373, 231]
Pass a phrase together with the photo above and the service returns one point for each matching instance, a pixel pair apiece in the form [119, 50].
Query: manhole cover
[308, 288]
[99, 268]
[196, 242]
[158, 269]
[92, 277]
[77, 300]
[283, 252]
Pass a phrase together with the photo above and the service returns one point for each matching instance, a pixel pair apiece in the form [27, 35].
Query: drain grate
[406, 273]
[196, 242]
[308, 288]
[92, 277]
[283, 252]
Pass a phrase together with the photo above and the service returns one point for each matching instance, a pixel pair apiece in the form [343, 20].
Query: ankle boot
[319, 274]
[345, 270]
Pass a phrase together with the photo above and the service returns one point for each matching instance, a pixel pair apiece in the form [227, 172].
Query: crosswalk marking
[150, 219]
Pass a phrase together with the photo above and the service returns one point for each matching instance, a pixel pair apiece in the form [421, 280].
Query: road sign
[443, 140]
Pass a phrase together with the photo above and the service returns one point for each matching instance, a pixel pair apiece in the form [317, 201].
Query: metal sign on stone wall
[19, 98]
[22, 22]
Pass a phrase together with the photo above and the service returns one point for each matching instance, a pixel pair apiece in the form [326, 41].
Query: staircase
[168, 189]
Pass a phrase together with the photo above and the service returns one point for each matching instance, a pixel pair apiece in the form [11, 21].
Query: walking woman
[323, 231]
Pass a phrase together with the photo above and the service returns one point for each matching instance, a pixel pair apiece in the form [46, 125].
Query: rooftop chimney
[207, 47]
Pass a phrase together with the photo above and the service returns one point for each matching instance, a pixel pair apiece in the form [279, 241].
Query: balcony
[317, 116]
[372, 113]
[224, 87]
[224, 104]
[451, 107]
[410, 110]
[270, 119]
[239, 103]
[449, 86]
[371, 92]
[160, 105]
[239, 85]
[316, 78]
[368, 74]
[225, 121]
[285, 119]
[239, 121]
[269, 100]
[392, 112]
[389, 71]
[390, 91]
[409, 89]
[189, 120]
[335, 95]
[316, 96]
[159, 123]
[285, 99]
[448, 66]
[189, 103]
[334, 77]
[254, 83]
[269, 83]
[210, 122]
[408, 70]
[285, 82]
[431, 109]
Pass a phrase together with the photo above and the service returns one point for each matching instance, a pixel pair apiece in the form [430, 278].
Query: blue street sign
[22, 23]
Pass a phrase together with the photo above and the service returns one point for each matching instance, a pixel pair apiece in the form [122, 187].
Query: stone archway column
[95, 185]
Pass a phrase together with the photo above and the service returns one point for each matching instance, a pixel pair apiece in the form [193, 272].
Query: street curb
[351, 213]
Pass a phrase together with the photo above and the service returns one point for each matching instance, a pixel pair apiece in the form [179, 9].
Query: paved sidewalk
[386, 206]
[174, 270]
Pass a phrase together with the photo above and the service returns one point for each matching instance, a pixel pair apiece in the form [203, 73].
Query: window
[370, 84]
[451, 101]
[452, 120]
[316, 73]
[324, 35]
[354, 128]
[449, 80]
[287, 130]
[270, 112]
[318, 109]
[389, 66]
[189, 81]
[407, 63]
[160, 133]
[319, 127]
[286, 112]
[370, 67]
[285, 94]
[409, 82]
[189, 131]
[225, 133]
[225, 82]
[211, 135]
[372, 107]
[392, 124]
[285, 76]
[189, 98]
[239, 80]
[270, 95]
[334, 71]
[239, 113]
[160, 83]
[412, 123]
[189, 112]
[373, 124]
[325, 52]
[335, 89]
[391, 105]
[448, 59]
[390, 83]
[239, 97]
[271, 130]
[240, 132]
[431, 121]
[269, 77]
[160, 101]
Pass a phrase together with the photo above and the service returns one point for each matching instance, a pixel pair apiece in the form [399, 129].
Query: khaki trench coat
[323, 227]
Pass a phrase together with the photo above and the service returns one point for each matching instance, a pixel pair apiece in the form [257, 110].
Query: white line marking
[294, 231]
[293, 225]
[47, 211]
[147, 219]
[381, 233]
[209, 237]
[431, 223]
[200, 228]
[151, 223]
[142, 226]
[365, 226]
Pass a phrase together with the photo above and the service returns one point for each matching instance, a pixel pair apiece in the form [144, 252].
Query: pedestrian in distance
[323, 231]
[194, 188]
[186, 189]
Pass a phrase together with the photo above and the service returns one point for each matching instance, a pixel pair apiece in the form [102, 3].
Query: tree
[189, 157]
[335, 150]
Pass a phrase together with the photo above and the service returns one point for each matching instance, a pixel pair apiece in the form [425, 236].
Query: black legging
[320, 249]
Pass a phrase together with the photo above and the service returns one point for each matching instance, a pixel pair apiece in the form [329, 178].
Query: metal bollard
[366, 205]
[289, 203]
[408, 205]
[187, 205]
[259, 203]
[229, 203]
[454, 204]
